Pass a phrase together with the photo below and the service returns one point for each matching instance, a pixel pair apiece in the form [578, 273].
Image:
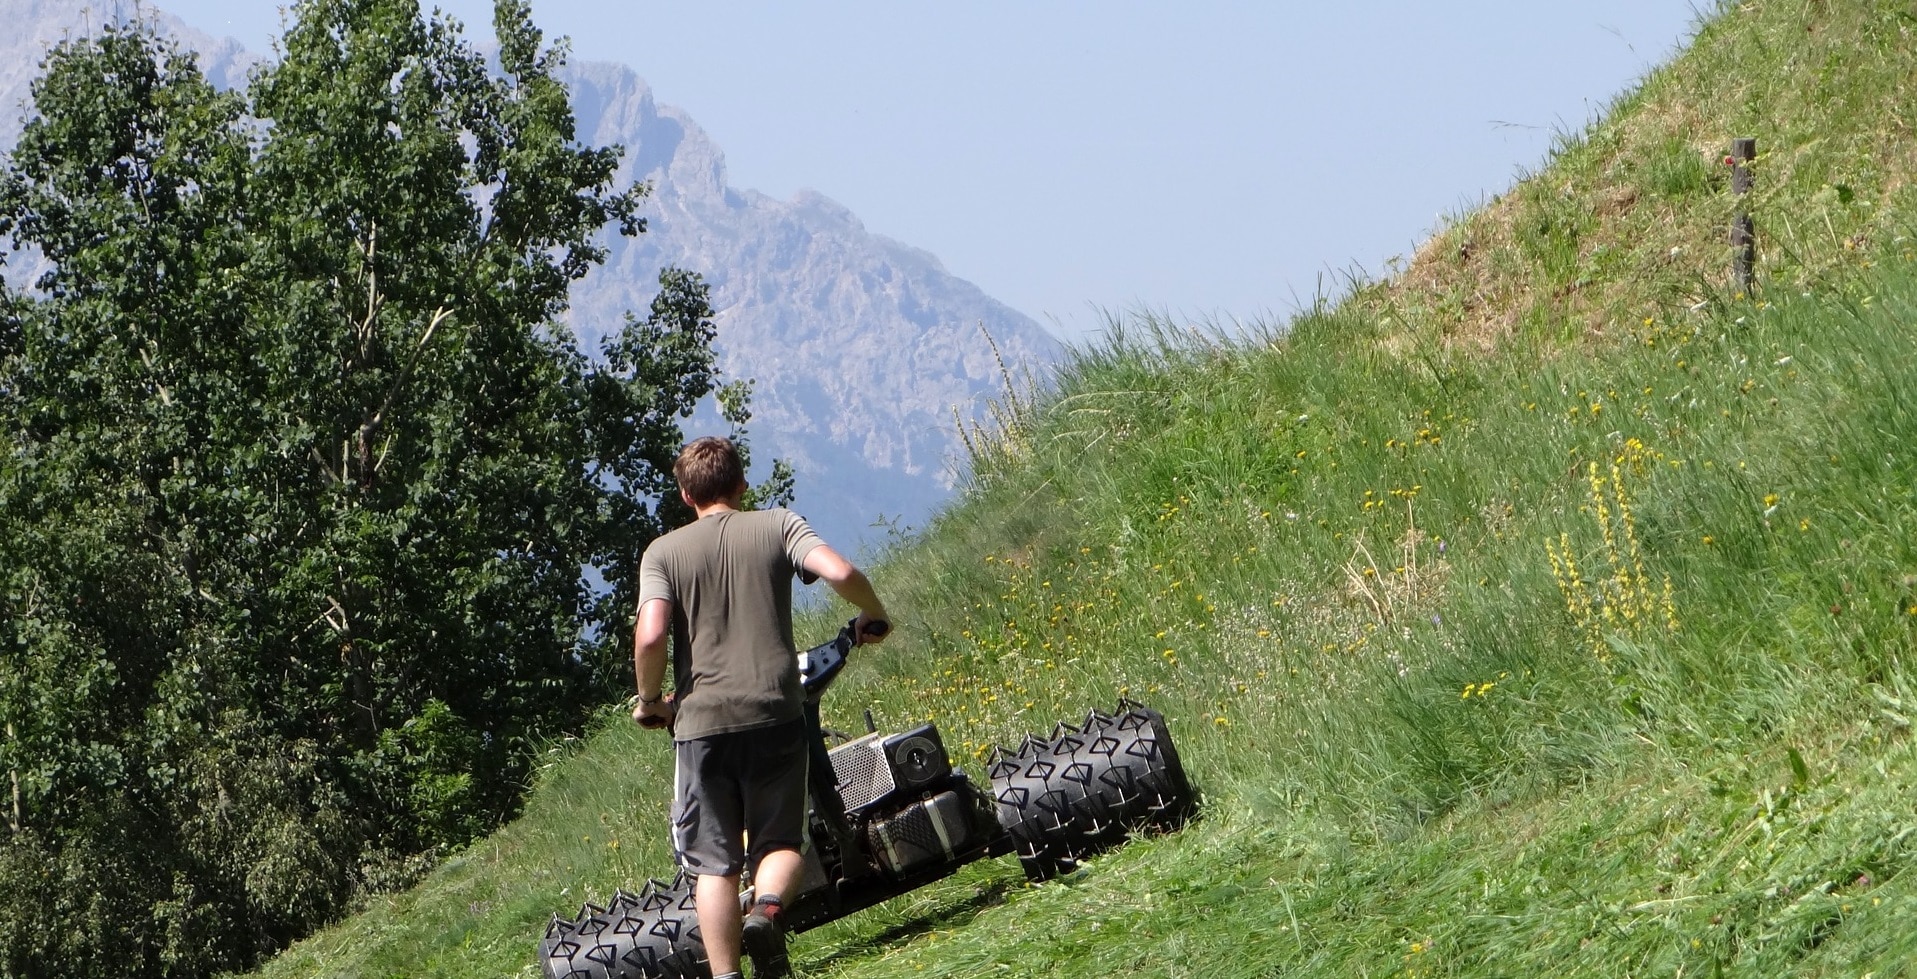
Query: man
[722, 587]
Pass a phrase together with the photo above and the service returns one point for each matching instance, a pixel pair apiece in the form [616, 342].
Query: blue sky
[1213, 160]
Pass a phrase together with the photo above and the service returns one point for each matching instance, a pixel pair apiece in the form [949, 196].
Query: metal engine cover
[925, 833]
[870, 769]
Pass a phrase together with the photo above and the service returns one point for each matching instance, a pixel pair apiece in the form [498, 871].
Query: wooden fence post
[1743, 232]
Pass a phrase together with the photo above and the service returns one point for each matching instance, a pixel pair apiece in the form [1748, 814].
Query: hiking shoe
[764, 939]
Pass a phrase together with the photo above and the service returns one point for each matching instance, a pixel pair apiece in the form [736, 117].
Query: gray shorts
[731, 789]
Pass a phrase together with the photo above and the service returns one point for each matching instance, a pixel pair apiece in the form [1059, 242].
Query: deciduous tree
[302, 475]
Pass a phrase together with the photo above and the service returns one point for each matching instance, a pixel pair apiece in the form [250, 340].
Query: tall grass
[1356, 624]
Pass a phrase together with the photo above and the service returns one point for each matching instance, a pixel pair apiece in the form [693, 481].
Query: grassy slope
[1338, 562]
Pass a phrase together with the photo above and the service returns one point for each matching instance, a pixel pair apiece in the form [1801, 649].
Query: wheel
[1086, 789]
[650, 935]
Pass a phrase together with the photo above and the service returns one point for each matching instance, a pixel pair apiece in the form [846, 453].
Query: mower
[890, 813]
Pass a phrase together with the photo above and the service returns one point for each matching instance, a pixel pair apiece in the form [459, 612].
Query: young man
[722, 587]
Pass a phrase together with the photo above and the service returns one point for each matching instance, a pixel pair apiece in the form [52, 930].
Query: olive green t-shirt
[729, 578]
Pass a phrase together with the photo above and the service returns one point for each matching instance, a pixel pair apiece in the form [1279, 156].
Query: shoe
[764, 939]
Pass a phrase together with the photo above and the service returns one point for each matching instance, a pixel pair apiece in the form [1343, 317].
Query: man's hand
[655, 714]
[870, 629]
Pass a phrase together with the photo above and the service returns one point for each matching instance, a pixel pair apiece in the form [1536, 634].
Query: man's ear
[687, 499]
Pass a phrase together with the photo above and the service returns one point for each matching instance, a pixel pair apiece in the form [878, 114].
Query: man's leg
[717, 899]
[778, 871]
[763, 933]
[775, 822]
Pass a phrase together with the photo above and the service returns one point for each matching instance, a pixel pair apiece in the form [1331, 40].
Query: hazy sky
[1210, 159]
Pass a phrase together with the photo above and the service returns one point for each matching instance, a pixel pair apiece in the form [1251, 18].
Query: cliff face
[860, 347]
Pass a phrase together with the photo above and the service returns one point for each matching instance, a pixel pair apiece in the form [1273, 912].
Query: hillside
[1546, 608]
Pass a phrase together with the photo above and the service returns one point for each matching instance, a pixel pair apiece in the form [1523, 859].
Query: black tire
[1086, 789]
[650, 935]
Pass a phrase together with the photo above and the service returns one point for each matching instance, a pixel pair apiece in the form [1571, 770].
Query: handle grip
[819, 665]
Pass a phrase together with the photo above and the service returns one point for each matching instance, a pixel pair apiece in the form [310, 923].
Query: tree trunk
[13, 822]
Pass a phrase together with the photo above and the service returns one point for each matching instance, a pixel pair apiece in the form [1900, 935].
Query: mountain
[860, 347]
[33, 26]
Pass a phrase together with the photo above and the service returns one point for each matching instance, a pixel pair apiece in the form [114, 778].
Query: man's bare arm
[649, 662]
[852, 585]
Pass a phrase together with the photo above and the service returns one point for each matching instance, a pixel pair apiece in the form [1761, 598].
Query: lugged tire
[650, 935]
[1086, 789]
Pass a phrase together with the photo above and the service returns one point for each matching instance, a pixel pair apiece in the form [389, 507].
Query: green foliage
[302, 474]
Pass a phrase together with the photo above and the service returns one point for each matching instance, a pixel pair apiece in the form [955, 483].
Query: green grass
[1626, 797]
[1335, 555]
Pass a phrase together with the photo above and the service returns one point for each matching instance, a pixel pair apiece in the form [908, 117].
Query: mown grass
[1547, 608]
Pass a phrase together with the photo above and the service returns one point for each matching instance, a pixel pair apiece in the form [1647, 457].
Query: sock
[771, 903]
[730, 975]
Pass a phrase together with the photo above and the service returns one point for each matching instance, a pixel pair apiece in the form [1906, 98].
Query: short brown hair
[709, 470]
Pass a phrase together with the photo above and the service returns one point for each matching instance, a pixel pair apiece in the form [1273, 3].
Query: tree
[303, 475]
